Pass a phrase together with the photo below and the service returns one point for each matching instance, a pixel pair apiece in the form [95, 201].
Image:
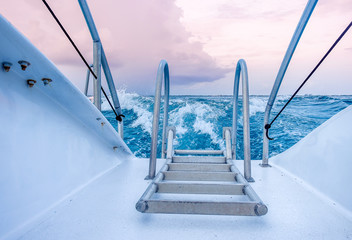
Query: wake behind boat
[66, 173]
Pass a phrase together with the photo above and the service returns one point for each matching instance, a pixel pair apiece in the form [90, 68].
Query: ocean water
[199, 120]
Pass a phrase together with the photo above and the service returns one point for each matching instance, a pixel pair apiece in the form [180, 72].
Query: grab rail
[163, 71]
[280, 75]
[87, 82]
[99, 60]
[242, 68]
[104, 63]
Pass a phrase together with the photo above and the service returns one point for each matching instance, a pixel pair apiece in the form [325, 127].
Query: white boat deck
[105, 209]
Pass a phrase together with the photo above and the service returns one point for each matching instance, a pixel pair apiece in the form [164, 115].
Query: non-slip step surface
[200, 197]
[201, 167]
[198, 159]
[199, 176]
[199, 152]
[199, 207]
[200, 184]
[200, 188]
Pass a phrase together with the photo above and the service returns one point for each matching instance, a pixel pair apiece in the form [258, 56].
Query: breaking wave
[199, 120]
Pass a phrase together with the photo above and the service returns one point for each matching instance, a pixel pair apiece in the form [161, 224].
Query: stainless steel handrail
[87, 82]
[242, 68]
[285, 62]
[97, 70]
[104, 64]
[171, 134]
[163, 71]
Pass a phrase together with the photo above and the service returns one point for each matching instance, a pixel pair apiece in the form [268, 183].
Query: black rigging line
[118, 117]
[267, 126]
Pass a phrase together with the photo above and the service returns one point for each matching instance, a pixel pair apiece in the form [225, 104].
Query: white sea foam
[204, 122]
[197, 117]
[175, 101]
[256, 104]
[132, 101]
[283, 97]
[176, 119]
[207, 127]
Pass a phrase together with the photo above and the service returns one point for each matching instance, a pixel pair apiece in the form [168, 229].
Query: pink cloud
[136, 35]
[201, 40]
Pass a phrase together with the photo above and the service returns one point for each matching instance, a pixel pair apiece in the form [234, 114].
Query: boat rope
[118, 117]
[268, 126]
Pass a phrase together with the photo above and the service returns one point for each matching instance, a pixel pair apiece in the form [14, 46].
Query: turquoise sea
[199, 120]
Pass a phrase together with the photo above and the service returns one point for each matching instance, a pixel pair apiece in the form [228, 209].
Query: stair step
[202, 167]
[200, 188]
[200, 185]
[199, 176]
[199, 207]
[199, 152]
[198, 159]
[199, 197]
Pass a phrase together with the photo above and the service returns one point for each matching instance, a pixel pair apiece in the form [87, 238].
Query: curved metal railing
[163, 71]
[285, 62]
[242, 68]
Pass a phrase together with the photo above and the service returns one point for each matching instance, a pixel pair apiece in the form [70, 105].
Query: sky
[202, 40]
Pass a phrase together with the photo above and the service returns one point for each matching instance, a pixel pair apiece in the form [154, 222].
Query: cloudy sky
[201, 39]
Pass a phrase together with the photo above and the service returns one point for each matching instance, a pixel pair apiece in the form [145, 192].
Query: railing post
[120, 128]
[171, 133]
[285, 62]
[226, 134]
[166, 111]
[87, 83]
[97, 71]
[163, 71]
[242, 68]
[95, 36]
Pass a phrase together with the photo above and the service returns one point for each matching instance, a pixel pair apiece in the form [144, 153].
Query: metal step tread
[245, 208]
[203, 167]
[200, 188]
[200, 181]
[199, 152]
[200, 197]
[198, 159]
[199, 184]
[199, 176]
